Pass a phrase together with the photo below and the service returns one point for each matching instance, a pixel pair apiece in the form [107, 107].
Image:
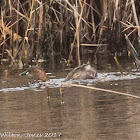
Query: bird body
[37, 72]
[82, 72]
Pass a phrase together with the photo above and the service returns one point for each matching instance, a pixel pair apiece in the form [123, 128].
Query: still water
[26, 113]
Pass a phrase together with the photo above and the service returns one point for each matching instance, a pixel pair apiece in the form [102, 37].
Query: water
[26, 113]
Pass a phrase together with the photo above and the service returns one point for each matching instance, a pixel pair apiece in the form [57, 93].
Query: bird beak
[24, 73]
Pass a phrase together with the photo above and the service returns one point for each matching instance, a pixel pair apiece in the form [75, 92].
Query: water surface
[25, 112]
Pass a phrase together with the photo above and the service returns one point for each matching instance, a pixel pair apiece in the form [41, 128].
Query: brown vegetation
[34, 29]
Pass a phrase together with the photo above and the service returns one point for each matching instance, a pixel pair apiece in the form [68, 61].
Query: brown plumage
[82, 72]
[37, 72]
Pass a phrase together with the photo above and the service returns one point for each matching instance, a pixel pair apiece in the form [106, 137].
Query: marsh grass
[34, 29]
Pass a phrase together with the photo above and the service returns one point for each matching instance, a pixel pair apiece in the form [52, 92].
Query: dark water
[25, 112]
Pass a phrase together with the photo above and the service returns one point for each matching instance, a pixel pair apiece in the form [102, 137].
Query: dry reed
[33, 29]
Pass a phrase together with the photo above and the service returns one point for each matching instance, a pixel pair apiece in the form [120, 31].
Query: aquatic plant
[65, 29]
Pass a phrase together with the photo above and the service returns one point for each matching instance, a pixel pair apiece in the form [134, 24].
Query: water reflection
[86, 114]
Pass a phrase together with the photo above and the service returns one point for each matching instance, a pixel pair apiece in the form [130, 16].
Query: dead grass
[32, 29]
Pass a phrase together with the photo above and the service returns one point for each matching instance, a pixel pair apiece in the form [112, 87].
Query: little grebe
[82, 72]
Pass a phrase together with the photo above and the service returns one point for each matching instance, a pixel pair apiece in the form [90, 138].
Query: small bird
[82, 72]
[37, 72]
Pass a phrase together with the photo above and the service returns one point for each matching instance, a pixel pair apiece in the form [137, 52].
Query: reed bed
[40, 29]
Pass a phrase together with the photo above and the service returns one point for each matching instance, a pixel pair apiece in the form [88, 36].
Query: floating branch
[99, 89]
